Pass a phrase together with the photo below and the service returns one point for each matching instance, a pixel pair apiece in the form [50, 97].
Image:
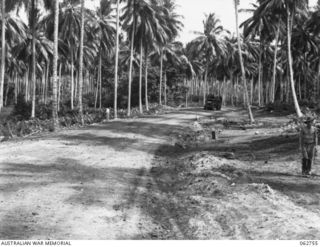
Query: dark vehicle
[213, 103]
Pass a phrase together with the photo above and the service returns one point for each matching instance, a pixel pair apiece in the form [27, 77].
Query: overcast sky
[194, 12]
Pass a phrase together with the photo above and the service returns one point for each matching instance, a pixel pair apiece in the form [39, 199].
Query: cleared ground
[127, 180]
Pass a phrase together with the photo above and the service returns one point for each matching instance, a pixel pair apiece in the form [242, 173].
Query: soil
[133, 179]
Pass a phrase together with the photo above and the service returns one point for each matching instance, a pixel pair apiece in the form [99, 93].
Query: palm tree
[116, 62]
[5, 6]
[55, 64]
[22, 51]
[169, 54]
[81, 62]
[236, 2]
[130, 11]
[33, 14]
[3, 51]
[267, 24]
[170, 21]
[289, 8]
[312, 27]
[33, 17]
[148, 28]
[105, 36]
[209, 45]
[69, 33]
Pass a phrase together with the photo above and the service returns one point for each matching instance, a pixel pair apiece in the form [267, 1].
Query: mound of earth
[216, 198]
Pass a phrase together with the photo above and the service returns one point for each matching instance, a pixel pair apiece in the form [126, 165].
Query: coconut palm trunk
[6, 94]
[130, 69]
[237, 90]
[232, 89]
[205, 84]
[291, 76]
[260, 75]
[16, 90]
[72, 80]
[33, 66]
[140, 78]
[43, 83]
[55, 66]
[59, 86]
[46, 83]
[3, 51]
[186, 96]
[161, 71]
[100, 81]
[26, 83]
[318, 82]
[81, 63]
[116, 64]
[251, 91]
[242, 65]
[165, 88]
[76, 85]
[146, 79]
[274, 73]
[97, 91]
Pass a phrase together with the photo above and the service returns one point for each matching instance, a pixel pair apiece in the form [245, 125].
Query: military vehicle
[213, 103]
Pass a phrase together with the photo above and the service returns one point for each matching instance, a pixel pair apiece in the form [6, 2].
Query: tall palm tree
[209, 44]
[166, 9]
[81, 62]
[267, 24]
[148, 28]
[116, 62]
[130, 13]
[11, 27]
[22, 51]
[69, 33]
[33, 16]
[236, 3]
[55, 65]
[289, 8]
[105, 35]
[3, 51]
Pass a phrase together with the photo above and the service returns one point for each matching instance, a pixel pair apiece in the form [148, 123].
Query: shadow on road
[88, 187]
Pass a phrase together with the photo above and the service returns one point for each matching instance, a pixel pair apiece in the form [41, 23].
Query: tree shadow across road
[123, 135]
[66, 183]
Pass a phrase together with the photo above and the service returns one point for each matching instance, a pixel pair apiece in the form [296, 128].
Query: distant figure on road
[308, 143]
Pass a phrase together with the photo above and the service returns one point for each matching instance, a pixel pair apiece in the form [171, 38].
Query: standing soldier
[308, 143]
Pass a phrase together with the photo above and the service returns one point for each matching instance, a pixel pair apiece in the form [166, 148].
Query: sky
[194, 13]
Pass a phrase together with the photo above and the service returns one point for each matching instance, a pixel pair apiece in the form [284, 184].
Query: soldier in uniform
[308, 143]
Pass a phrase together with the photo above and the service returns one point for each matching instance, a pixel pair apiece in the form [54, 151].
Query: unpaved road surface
[90, 183]
[127, 180]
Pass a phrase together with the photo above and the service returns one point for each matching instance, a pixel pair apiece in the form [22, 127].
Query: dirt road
[89, 183]
[126, 180]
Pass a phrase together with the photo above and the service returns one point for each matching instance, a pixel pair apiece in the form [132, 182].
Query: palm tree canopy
[209, 43]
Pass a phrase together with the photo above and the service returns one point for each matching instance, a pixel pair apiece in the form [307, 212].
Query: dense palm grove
[125, 54]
